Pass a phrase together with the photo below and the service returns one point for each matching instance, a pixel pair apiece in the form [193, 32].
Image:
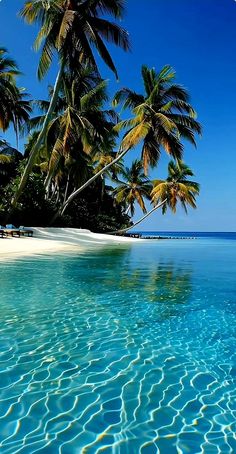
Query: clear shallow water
[124, 350]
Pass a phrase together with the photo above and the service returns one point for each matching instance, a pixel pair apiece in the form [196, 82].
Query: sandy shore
[51, 240]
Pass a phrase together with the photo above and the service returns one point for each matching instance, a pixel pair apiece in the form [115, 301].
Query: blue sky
[198, 38]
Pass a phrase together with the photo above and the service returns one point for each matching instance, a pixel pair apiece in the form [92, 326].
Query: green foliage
[176, 188]
[134, 188]
[162, 116]
[9, 160]
[73, 29]
[92, 212]
[71, 151]
[14, 108]
[33, 209]
[95, 209]
[80, 128]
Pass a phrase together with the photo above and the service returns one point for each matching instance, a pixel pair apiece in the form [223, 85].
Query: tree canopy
[73, 169]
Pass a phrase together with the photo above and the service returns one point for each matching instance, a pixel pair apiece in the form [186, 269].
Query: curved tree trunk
[85, 185]
[50, 197]
[47, 183]
[128, 209]
[67, 186]
[140, 220]
[40, 138]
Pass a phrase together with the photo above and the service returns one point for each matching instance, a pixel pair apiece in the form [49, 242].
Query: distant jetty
[147, 237]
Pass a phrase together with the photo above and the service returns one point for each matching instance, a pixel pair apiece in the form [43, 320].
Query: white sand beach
[54, 240]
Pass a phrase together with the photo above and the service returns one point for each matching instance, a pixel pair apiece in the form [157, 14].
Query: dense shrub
[95, 210]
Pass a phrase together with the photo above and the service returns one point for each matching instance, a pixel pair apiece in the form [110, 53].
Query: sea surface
[121, 350]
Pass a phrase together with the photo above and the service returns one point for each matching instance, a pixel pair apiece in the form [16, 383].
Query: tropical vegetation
[73, 169]
[177, 188]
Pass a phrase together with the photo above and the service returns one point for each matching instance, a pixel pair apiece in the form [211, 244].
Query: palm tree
[80, 132]
[134, 188]
[8, 72]
[167, 193]
[13, 107]
[176, 188]
[81, 122]
[20, 109]
[71, 29]
[162, 117]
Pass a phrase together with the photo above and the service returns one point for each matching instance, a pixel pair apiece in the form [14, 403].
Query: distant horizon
[186, 231]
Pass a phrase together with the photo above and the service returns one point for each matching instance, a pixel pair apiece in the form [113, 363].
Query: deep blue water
[127, 349]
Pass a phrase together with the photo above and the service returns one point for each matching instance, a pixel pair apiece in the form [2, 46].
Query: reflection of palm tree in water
[169, 288]
[161, 289]
[109, 280]
[169, 283]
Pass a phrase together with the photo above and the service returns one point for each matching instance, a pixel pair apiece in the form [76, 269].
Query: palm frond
[66, 25]
[105, 55]
[129, 98]
[135, 135]
[112, 32]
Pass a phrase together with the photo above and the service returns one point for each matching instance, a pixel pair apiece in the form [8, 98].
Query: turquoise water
[129, 349]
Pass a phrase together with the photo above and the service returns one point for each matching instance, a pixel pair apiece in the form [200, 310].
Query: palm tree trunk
[58, 194]
[47, 183]
[40, 138]
[140, 220]
[17, 135]
[67, 186]
[128, 209]
[53, 192]
[85, 185]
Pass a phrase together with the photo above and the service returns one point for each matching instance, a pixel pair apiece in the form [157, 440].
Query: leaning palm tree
[168, 193]
[72, 29]
[162, 116]
[135, 187]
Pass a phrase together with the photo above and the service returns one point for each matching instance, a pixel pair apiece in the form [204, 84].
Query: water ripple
[102, 366]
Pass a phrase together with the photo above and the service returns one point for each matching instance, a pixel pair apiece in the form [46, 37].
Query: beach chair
[24, 231]
[12, 230]
[2, 234]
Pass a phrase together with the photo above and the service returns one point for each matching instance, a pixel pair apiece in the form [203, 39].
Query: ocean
[121, 350]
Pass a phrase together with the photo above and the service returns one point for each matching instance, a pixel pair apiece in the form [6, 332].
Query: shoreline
[53, 240]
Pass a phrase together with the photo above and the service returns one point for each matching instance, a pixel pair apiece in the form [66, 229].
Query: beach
[53, 240]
